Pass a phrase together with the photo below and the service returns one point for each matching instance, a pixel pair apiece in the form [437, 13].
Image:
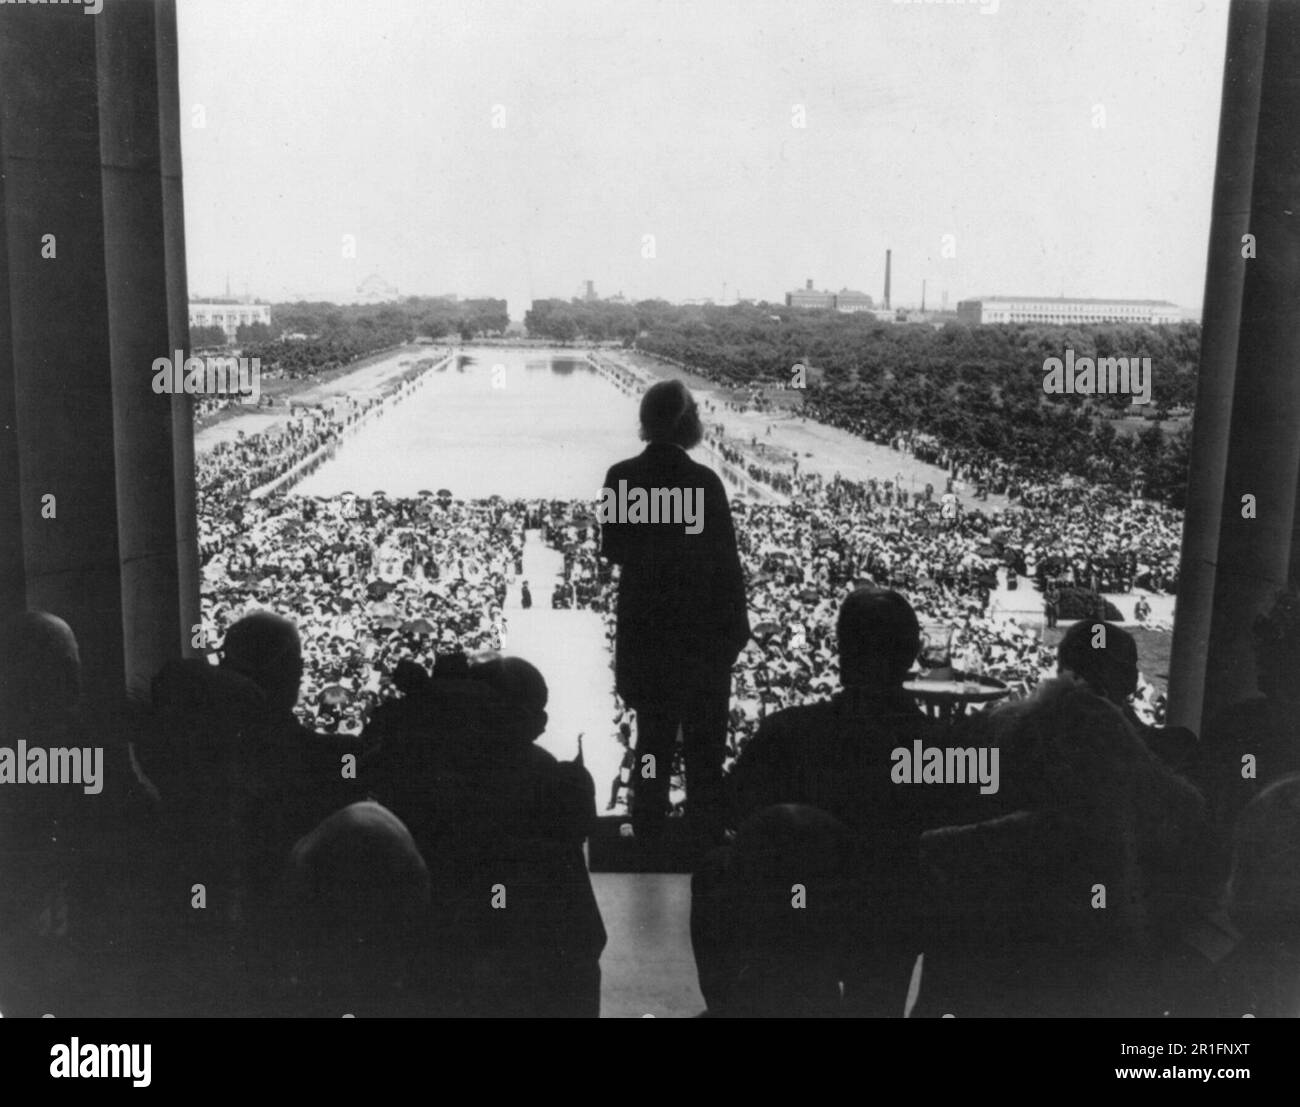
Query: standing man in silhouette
[681, 616]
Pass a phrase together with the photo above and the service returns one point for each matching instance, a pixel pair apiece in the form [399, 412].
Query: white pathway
[569, 648]
[647, 967]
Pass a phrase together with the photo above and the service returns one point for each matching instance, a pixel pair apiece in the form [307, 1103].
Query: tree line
[337, 334]
[976, 389]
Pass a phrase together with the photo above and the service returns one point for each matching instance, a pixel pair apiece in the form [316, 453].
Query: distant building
[1061, 309]
[847, 300]
[229, 315]
[809, 298]
[375, 290]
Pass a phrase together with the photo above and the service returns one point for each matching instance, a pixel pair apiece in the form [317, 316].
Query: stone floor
[647, 967]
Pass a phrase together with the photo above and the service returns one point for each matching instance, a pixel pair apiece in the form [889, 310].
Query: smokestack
[923, 296]
[591, 290]
[889, 258]
[808, 284]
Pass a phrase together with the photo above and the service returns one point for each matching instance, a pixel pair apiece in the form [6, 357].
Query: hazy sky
[677, 119]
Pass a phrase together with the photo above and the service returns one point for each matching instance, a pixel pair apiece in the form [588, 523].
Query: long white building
[1061, 309]
[228, 316]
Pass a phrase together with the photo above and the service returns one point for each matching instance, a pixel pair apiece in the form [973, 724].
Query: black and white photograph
[725, 509]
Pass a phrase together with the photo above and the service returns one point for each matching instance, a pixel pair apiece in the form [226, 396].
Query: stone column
[90, 156]
[1247, 434]
[147, 309]
[13, 574]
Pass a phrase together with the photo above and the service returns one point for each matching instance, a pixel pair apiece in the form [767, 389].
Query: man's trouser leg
[656, 735]
[704, 738]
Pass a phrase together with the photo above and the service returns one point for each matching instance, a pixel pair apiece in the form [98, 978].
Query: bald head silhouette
[266, 648]
[40, 669]
[355, 892]
[879, 637]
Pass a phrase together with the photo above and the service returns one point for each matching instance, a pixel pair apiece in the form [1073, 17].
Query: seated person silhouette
[1262, 728]
[1070, 905]
[40, 694]
[836, 756]
[353, 920]
[72, 854]
[1105, 657]
[782, 897]
[239, 782]
[305, 770]
[222, 838]
[1261, 977]
[501, 823]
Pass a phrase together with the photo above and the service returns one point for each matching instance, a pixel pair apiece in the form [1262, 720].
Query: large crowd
[358, 783]
[369, 582]
[800, 558]
[373, 579]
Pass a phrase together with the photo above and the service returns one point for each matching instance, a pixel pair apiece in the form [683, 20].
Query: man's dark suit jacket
[682, 619]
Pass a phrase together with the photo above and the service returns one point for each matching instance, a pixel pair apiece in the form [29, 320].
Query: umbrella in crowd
[418, 626]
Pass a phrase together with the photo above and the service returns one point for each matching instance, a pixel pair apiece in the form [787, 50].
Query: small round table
[946, 695]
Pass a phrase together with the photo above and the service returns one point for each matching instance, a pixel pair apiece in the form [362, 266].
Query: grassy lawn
[1153, 652]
